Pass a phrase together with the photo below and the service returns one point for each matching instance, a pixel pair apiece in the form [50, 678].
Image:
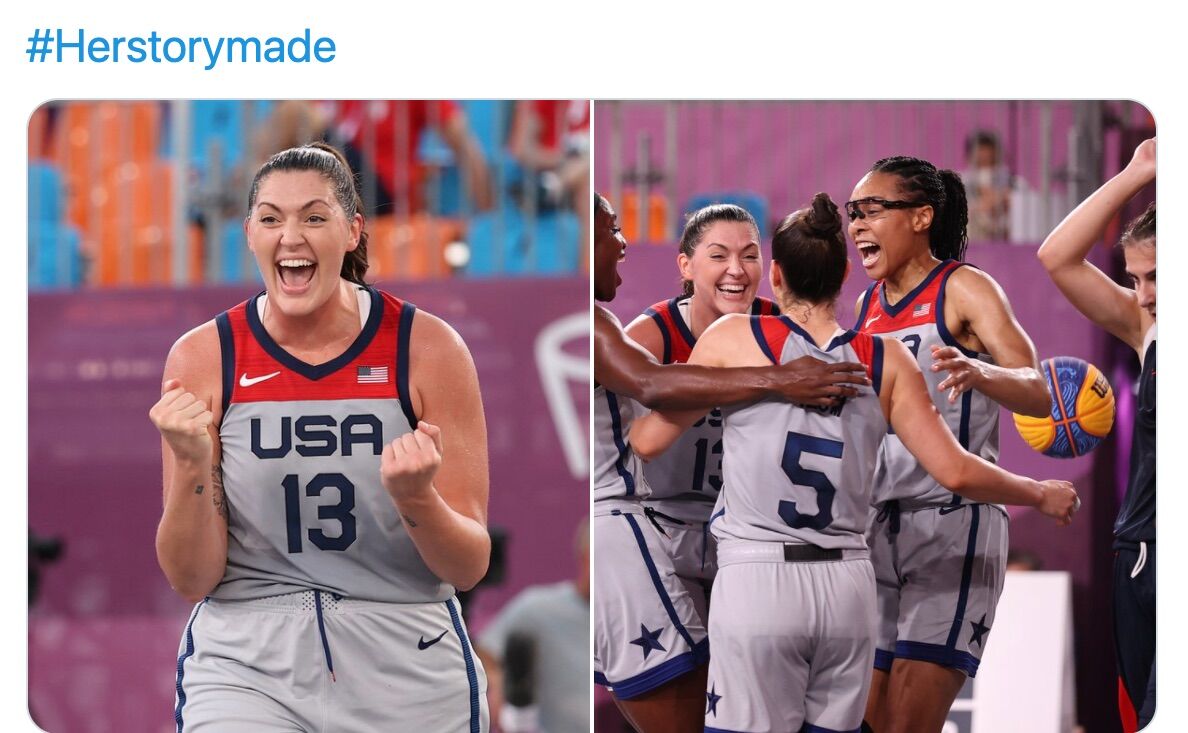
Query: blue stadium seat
[45, 193]
[512, 246]
[54, 256]
[752, 202]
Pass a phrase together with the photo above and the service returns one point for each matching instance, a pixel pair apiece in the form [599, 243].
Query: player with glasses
[939, 559]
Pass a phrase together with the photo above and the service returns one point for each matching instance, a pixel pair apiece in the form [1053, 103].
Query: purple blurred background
[104, 631]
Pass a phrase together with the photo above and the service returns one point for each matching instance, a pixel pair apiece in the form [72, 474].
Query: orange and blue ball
[1082, 410]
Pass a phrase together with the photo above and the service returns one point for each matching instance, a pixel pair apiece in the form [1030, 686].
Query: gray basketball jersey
[617, 472]
[687, 477]
[918, 320]
[301, 462]
[802, 474]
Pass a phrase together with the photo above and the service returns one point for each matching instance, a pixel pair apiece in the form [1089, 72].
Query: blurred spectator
[987, 187]
[557, 618]
[385, 134]
[550, 139]
[292, 123]
[1019, 559]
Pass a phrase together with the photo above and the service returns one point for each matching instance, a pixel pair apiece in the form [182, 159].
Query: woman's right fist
[184, 422]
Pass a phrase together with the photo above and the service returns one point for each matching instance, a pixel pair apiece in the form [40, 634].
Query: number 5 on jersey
[796, 445]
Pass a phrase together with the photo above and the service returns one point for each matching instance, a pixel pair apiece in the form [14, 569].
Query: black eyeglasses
[862, 208]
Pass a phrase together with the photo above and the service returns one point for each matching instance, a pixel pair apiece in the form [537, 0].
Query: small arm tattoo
[217, 494]
[409, 520]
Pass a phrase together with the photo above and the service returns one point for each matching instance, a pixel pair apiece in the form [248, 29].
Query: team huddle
[799, 525]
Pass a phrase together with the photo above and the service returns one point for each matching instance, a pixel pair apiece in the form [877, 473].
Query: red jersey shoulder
[262, 371]
[916, 308]
[678, 340]
[772, 333]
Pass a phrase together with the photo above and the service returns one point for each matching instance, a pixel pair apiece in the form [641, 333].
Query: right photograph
[873, 427]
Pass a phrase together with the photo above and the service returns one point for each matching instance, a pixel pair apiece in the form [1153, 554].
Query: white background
[736, 49]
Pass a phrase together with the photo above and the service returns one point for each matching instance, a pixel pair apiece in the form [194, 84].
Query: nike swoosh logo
[873, 320]
[422, 644]
[951, 508]
[245, 382]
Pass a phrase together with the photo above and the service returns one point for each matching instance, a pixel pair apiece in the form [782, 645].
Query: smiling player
[325, 486]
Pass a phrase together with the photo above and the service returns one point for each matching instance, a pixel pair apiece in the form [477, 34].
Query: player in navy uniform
[908, 221]
[721, 266]
[648, 639]
[793, 612]
[325, 486]
[1128, 314]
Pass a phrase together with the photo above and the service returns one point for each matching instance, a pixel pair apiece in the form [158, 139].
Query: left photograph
[300, 458]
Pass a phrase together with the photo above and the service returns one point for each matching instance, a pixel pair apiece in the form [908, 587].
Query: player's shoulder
[973, 287]
[199, 347]
[604, 318]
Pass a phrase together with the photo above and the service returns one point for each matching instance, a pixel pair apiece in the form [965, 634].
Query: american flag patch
[372, 375]
[921, 310]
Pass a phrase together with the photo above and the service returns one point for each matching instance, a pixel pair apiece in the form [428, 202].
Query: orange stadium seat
[410, 247]
[629, 218]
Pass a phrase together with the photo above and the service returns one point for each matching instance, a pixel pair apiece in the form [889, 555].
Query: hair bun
[823, 218]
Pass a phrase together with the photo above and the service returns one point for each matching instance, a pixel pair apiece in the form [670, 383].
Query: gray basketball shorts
[940, 572]
[309, 663]
[646, 628]
[692, 549]
[792, 641]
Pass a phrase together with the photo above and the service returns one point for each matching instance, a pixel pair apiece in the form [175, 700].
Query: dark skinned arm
[625, 368]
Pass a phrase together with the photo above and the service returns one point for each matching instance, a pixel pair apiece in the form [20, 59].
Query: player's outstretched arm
[1014, 380]
[625, 368]
[923, 432]
[1063, 253]
[192, 534]
[437, 475]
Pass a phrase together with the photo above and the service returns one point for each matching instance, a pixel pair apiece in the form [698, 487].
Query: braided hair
[944, 192]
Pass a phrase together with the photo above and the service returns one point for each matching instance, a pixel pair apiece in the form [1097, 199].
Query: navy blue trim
[316, 371]
[322, 632]
[971, 548]
[709, 729]
[758, 331]
[905, 301]
[660, 324]
[883, 660]
[809, 728]
[937, 654]
[660, 675]
[943, 328]
[227, 349]
[600, 679]
[876, 364]
[865, 307]
[617, 431]
[471, 674]
[845, 338]
[757, 307]
[658, 584]
[682, 327]
[966, 411]
[403, 336]
[181, 672]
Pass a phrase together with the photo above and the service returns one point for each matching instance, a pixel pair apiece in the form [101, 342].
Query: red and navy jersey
[918, 320]
[686, 478]
[670, 318]
[301, 447]
[802, 473]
